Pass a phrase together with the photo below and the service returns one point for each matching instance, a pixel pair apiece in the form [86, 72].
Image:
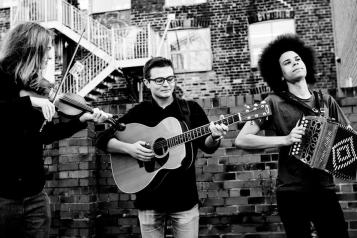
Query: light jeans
[184, 224]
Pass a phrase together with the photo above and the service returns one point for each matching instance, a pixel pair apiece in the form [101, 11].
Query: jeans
[25, 218]
[184, 224]
[298, 210]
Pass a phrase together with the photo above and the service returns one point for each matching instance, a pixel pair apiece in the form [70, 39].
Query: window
[172, 3]
[49, 72]
[109, 5]
[7, 3]
[260, 34]
[190, 49]
[83, 4]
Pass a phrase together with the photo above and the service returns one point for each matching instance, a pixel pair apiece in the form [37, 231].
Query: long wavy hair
[23, 51]
[269, 65]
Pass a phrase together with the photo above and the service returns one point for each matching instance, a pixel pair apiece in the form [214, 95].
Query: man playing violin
[176, 197]
[24, 206]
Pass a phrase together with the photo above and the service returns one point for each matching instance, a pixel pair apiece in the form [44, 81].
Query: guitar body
[171, 143]
[132, 175]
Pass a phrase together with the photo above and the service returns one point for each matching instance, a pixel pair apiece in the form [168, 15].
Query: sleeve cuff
[24, 103]
[78, 124]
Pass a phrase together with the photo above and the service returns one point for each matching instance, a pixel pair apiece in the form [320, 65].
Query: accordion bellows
[329, 146]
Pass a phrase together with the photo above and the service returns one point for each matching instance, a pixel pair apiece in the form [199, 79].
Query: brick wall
[228, 22]
[72, 185]
[4, 21]
[236, 187]
[344, 29]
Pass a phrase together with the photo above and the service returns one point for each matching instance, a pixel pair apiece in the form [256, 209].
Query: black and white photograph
[178, 118]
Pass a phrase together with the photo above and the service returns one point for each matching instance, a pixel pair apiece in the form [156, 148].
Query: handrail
[121, 44]
[93, 65]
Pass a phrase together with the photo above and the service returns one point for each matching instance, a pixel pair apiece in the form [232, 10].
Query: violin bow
[68, 68]
[65, 75]
[113, 120]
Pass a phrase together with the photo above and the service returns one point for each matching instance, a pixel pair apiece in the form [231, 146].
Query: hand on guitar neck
[218, 131]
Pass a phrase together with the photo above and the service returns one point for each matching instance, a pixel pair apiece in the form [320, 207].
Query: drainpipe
[170, 17]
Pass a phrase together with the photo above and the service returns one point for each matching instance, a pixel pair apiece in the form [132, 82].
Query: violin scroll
[116, 124]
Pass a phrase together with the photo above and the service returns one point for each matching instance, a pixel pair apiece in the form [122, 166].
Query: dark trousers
[25, 218]
[321, 208]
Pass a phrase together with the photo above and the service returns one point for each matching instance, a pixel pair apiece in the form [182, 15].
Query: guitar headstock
[256, 111]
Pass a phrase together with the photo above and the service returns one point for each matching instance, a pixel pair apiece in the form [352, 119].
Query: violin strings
[75, 103]
[83, 106]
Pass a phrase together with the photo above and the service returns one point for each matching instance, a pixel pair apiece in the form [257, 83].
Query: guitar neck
[201, 131]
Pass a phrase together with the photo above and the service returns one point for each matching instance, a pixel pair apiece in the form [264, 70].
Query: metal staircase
[110, 49]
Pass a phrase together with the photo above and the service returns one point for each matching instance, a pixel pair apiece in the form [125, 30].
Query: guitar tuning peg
[255, 105]
[247, 106]
[263, 102]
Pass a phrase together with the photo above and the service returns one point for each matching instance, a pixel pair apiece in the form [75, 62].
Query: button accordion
[329, 146]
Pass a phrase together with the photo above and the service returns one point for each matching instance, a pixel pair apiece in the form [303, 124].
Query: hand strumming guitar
[140, 151]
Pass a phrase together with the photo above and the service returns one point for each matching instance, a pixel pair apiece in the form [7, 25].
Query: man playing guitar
[176, 196]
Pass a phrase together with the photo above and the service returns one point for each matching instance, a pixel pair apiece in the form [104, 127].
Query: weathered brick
[237, 201]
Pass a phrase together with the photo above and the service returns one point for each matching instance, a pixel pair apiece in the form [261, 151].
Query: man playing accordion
[305, 195]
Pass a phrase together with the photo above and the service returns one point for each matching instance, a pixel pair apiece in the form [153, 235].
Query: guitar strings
[204, 127]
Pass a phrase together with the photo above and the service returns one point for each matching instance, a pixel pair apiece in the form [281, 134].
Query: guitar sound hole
[161, 156]
[160, 147]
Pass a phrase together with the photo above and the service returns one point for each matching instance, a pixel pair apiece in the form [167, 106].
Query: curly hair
[269, 65]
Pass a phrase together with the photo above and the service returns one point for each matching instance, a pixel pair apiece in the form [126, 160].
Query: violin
[69, 104]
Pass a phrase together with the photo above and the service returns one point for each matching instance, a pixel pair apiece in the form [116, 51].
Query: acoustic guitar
[170, 141]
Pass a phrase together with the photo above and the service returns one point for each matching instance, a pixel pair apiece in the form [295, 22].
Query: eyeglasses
[161, 80]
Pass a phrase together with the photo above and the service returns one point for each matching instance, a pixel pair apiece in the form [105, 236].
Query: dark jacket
[21, 164]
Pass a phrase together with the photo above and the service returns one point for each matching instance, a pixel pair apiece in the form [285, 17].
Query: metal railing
[128, 43]
[125, 43]
[93, 65]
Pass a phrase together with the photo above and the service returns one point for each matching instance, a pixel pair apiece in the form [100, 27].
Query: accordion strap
[320, 111]
[319, 102]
